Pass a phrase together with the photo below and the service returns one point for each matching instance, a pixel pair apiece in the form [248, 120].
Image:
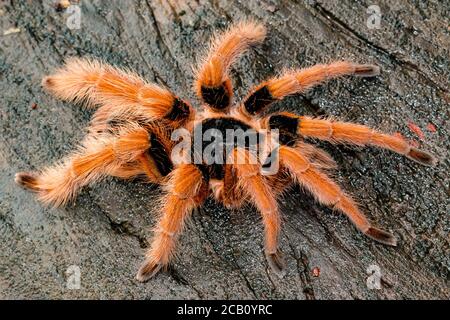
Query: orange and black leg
[299, 81]
[258, 190]
[327, 192]
[187, 190]
[213, 84]
[345, 132]
[116, 91]
[292, 128]
[124, 156]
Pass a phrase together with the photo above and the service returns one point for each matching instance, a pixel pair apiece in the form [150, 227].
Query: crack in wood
[346, 29]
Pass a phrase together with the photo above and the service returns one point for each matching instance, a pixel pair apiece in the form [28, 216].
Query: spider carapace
[132, 134]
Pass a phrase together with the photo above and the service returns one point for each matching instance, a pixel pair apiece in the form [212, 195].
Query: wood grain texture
[221, 252]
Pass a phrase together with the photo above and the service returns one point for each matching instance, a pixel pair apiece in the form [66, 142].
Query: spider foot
[48, 82]
[26, 180]
[367, 70]
[381, 236]
[422, 157]
[148, 270]
[277, 263]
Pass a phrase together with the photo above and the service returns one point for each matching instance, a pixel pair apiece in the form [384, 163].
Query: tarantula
[130, 136]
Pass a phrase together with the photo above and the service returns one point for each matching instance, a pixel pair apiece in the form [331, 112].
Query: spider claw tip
[367, 70]
[147, 271]
[47, 82]
[26, 180]
[422, 157]
[277, 263]
[382, 236]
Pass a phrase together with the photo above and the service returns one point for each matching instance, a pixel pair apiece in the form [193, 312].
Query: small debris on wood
[11, 31]
[415, 128]
[34, 106]
[62, 5]
[431, 127]
[316, 272]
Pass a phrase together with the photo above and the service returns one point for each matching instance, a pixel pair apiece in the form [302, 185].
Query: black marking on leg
[367, 70]
[382, 236]
[287, 127]
[217, 97]
[180, 111]
[421, 157]
[216, 171]
[26, 180]
[160, 155]
[146, 271]
[258, 100]
[285, 123]
[277, 263]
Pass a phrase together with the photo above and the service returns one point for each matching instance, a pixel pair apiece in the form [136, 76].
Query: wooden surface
[221, 252]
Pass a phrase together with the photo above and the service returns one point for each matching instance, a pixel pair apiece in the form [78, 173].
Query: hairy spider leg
[117, 92]
[186, 191]
[300, 81]
[96, 158]
[327, 192]
[213, 85]
[263, 198]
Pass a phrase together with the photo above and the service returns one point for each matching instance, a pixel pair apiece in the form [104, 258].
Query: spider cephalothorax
[130, 135]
